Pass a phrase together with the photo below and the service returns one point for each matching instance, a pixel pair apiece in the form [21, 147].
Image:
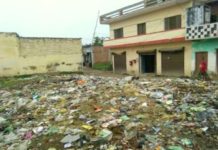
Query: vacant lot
[72, 111]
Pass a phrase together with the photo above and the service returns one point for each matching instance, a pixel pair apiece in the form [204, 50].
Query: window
[173, 22]
[118, 33]
[141, 28]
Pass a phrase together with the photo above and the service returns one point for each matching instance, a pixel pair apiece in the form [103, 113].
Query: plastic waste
[70, 138]
[2, 121]
[38, 130]
[88, 127]
[28, 135]
[186, 142]
[129, 134]
[157, 95]
[106, 134]
[175, 148]
[124, 118]
[11, 137]
[67, 145]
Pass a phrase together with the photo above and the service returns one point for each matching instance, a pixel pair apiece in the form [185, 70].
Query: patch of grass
[103, 66]
[16, 81]
[23, 76]
[9, 82]
[44, 142]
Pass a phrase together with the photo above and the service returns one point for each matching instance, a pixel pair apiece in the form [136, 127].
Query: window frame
[141, 28]
[168, 22]
[118, 33]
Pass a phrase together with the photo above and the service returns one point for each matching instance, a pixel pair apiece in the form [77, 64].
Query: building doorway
[199, 57]
[148, 63]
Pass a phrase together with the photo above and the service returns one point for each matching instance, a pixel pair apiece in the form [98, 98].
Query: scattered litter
[67, 145]
[88, 127]
[70, 138]
[28, 135]
[106, 134]
[175, 148]
[2, 121]
[11, 137]
[186, 142]
[38, 130]
[72, 111]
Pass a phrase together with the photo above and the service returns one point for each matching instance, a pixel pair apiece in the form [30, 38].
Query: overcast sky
[57, 18]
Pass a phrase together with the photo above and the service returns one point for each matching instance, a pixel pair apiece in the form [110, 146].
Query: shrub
[103, 66]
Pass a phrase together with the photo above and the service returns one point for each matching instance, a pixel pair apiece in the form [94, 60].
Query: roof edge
[142, 11]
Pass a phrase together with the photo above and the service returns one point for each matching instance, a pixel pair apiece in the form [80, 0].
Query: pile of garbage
[107, 113]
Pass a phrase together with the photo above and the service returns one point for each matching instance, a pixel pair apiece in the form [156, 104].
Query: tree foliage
[98, 41]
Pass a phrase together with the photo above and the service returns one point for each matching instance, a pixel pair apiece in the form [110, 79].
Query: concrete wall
[101, 54]
[131, 54]
[21, 56]
[210, 46]
[9, 54]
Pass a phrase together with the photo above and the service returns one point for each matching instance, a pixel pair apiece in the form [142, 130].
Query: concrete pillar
[159, 67]
[212, 61]
[188, 61]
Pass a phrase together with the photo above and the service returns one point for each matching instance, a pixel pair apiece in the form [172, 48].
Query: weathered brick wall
[19, 56]
[101, 55]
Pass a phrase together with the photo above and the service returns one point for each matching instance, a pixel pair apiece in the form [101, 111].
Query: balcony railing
[131, 8]
[205, 31]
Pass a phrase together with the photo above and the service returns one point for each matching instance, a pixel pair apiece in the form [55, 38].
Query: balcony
[205, 31]
[202, 21]
[145, 6]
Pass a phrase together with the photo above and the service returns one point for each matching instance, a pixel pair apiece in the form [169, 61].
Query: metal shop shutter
[173, 63]
[120, 62]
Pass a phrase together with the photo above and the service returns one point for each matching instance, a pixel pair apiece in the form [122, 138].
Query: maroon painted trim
[163, 41]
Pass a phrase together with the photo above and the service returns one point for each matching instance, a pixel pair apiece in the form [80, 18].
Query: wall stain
[33, 67]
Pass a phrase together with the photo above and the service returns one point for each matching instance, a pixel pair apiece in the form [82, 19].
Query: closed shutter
[173, 63]
[120, 62]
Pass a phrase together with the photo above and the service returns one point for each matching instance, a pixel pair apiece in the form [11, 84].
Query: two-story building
[202, 30]
[149, 37]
